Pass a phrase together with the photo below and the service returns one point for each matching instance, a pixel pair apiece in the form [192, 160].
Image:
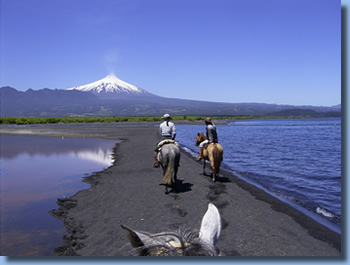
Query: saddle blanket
[167, 141]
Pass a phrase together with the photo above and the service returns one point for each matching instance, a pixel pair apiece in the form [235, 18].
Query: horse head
[182, 242]
[200, 138]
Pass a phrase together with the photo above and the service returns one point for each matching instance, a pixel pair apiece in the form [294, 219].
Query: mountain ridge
[111, 96]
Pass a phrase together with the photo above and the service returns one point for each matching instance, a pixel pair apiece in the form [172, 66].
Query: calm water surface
[299, 161]
[35, 172]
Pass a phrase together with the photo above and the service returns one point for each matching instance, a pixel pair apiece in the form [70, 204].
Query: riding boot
[200, 156]
[156, 162]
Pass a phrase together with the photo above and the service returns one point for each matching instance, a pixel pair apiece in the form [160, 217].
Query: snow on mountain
[109, 84]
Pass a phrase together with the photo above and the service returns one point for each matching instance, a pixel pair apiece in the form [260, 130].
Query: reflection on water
[99, 156]
[35, 171]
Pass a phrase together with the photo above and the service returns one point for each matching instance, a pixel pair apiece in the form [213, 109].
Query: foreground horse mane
[181, 242]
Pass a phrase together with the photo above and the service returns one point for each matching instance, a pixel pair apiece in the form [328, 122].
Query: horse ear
[211, 225]
[136, 238]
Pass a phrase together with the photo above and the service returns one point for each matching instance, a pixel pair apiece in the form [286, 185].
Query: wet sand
[129, 192]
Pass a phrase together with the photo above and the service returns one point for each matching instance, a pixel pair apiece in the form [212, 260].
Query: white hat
[166, 116]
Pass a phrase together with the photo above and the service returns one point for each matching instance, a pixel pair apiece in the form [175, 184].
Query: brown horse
[213, 153]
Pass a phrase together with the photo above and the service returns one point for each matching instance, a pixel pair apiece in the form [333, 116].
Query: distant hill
[111, 96]
[42, 103]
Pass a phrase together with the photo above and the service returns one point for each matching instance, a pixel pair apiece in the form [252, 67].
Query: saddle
[206, 145]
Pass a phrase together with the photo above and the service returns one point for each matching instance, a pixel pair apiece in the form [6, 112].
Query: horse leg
[175, 180]
[213, 169]
[174, 186]
[166, 189]
[204, 168]
[171, 187]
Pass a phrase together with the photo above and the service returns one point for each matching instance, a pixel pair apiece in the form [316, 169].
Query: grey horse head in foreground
[182, 242]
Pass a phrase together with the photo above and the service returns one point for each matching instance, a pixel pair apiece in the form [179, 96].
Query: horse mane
[186, 243]
[200, 138]
[182, 242]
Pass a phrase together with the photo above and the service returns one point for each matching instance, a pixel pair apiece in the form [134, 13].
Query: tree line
[65, 120]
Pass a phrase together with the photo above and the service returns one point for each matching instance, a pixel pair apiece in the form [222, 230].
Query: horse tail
[216, 158]
[167, 178]
[172, 163]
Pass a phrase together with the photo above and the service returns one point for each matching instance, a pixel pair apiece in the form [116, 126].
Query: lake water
[35, 172]
[296, 160]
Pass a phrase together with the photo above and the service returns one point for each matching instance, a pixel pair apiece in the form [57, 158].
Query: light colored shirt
[167, 131]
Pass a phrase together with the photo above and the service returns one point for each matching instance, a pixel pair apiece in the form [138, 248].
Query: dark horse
[213, 153]
[169, 159]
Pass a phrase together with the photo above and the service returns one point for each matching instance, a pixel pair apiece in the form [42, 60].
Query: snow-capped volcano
[110, 84]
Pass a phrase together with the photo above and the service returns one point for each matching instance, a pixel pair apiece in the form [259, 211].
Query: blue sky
[271, 51]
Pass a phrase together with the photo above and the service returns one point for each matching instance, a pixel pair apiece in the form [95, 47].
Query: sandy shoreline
[254, 222]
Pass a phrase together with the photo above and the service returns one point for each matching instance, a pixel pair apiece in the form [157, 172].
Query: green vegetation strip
[55, 120]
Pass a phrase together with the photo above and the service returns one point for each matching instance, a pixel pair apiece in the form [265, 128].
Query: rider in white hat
[167, 130]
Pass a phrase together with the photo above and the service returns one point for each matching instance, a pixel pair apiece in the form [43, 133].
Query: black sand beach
[254, 222]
